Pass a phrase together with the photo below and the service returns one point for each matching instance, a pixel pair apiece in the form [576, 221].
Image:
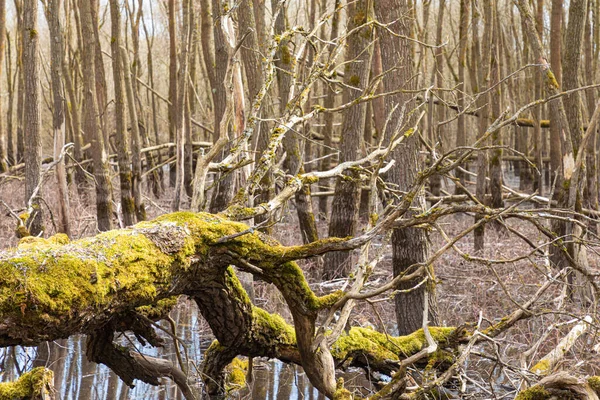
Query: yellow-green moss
[236, 375]
[542, 367]
[286, 56]
[33, 383]
[341, 393]
[354, 80]
[533, 393]
[594, 382]
[274, 326]
[551, 79]
[386, 347]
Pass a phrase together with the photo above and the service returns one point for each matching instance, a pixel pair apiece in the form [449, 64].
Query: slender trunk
[136, 142]
[11, 102]
[329, 102]
[223, 189]
[538, 138]
[3, 136]
[31, 115]
[496, 98]
[591, 187]
[481, 54]
[461, 133]
[182, 84]
[556, 63]
[172, 89]
[58, 115]
[122, 137]
[157, 175]
[435, 131]
[20, 83]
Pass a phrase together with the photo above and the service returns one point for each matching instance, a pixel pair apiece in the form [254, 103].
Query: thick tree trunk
[91, 124]
[410, 246]
[344, 210]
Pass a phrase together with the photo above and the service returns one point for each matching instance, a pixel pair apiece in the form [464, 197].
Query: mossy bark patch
[35, 384]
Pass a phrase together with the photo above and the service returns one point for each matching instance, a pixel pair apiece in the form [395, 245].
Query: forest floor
[467, 292]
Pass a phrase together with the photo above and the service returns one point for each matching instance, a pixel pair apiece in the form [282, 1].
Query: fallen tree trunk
[124, 279]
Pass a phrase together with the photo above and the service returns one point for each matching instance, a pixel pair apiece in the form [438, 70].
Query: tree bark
[58, 116]
[31, 115]
[410, 246]
[223, 189]
[556, 22]
[122, 136]
[461, 133]
[91, 122]
[345, 206]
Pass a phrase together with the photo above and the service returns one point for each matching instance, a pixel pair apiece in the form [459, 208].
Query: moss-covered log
[36, 384]
[123, 279]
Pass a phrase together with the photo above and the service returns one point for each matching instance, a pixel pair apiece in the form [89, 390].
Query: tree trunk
[344, 210]
[556, 22]
[58, 116]
[328, 129]
[172, 89]
[122, 136]
[31, 115]
[461, 133]
[136, 140]
[4, 144]
[495, 98]
[91, 123]
[481, 61]
[223, 190]
[410, 246]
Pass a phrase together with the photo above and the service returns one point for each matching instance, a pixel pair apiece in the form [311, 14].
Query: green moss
[594, 382]
[354, 80]
[236, 375]
[386, 347]
[35, 383]
[533, 393]
[272, 326]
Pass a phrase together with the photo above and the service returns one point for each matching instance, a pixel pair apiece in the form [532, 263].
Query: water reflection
[77, 378]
